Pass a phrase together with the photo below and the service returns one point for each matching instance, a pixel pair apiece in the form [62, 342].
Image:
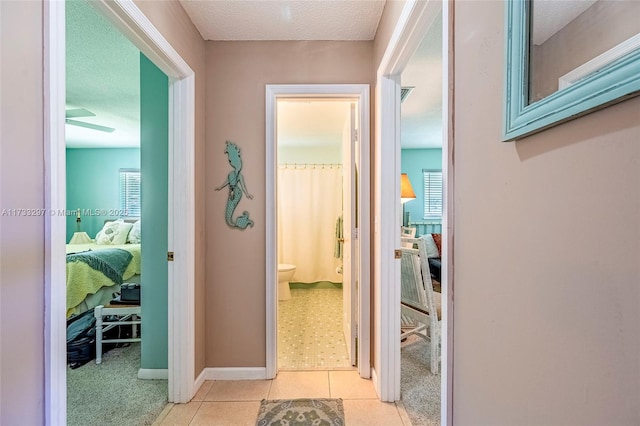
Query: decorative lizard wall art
[235, 182]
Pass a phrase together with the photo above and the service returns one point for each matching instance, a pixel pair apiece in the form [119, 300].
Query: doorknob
[398, 253]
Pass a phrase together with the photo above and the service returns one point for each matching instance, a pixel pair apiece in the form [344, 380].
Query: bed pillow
[135, 234]
[430, 245]
[438, 239]
[114, 232]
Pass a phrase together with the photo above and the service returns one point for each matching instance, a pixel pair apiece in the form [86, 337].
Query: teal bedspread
[111, 262]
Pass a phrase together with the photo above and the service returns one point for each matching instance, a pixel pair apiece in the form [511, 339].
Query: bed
[96, 271]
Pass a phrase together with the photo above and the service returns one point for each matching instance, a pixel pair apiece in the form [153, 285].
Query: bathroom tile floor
[310, 334]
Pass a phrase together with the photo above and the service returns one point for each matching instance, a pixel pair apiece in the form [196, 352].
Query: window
[432, 193]
[130, 192]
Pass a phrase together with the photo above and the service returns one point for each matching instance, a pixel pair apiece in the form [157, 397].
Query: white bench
[126, 315]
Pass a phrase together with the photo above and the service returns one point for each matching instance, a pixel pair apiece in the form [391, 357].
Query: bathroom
[312, 135]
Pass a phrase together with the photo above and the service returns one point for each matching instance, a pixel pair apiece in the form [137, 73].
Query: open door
[350, 234]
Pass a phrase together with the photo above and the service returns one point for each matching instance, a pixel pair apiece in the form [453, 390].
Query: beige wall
[22, 244]
[601, 27]
[21, 238]
[237, 73]
[174, 24]
[388, 20]
[547, 253]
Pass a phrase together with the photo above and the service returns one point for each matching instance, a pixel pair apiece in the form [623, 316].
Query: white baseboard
[153, 374]
[374, 379]
[200, 380]
[233, 373]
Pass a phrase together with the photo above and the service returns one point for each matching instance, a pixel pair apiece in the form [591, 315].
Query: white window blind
[130, 192]
[432, 193]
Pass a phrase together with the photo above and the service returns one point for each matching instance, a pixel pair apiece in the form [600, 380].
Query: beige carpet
[111, 393]
[420, 389]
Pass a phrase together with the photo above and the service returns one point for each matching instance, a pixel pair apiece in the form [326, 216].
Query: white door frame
[126, 16]
[415, 19]
[361, 93]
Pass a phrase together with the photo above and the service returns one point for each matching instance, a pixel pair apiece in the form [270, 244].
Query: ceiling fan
[81, 112]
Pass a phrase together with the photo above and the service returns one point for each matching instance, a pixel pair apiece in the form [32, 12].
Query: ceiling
[285, 20]
[421, 111]
[103, 66]
[103, 76]
[550, 16]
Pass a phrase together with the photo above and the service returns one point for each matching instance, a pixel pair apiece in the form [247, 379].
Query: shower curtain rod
[309, 165]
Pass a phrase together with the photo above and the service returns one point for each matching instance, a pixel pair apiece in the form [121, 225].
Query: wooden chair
[420, 305]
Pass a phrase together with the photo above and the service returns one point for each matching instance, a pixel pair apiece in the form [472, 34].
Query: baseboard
[374, 379]
[200, 380]
[234, 373]
[153, 374]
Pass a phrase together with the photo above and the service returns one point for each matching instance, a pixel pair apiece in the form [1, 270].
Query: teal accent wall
[93, 185]
[154, 163]
[412, 163]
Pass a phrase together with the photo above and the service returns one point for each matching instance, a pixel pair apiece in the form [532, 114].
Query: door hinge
[398, 253]
[170, 256]
[354, 134]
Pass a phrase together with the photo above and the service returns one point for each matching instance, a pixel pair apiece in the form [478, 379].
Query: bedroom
[117, 150]
[422, 206]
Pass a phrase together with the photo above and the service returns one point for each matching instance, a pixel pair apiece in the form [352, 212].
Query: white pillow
[135, 234]
[430, 245]
[114, 232]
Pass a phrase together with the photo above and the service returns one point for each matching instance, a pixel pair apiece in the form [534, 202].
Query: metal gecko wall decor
[235, 182]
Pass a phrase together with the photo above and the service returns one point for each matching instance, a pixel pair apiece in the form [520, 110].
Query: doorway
[416, 19]
[317, 234]
[421, 167]
[138, 29]
[356, 285]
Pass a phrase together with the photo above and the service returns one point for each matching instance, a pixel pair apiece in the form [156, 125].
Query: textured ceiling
[285, 20]
[103, 76]
[421, 112]
[550, 16]
[103, 69]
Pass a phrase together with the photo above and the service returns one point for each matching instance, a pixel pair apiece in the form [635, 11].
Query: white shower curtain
[309, 204]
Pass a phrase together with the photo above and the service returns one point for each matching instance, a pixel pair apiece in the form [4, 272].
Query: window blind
[130, 192]
[432, 193]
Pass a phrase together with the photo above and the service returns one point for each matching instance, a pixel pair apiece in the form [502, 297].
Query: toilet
[285, 273]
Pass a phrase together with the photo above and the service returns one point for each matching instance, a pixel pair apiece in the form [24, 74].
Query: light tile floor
[310, 334]
[231, 403]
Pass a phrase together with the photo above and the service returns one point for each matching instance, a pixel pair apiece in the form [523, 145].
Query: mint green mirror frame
[613, 83]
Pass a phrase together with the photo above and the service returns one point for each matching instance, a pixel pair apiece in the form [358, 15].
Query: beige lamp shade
[80, 238]
[406, 190]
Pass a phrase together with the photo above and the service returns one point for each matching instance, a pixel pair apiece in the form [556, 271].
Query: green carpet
[111, 393]
[301, 412]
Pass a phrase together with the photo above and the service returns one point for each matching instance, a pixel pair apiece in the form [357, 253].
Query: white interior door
[349, 261]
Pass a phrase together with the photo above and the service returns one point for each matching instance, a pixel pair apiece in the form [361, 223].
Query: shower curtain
[309, 204]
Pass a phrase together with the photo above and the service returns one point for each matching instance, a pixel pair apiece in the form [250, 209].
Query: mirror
[566, 58]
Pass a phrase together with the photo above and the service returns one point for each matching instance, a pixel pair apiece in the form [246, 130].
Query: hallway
[237, 402]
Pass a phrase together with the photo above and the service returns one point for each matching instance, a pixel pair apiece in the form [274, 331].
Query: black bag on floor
[81, 339]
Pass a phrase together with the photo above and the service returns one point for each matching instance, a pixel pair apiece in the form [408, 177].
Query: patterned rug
[301, 412]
